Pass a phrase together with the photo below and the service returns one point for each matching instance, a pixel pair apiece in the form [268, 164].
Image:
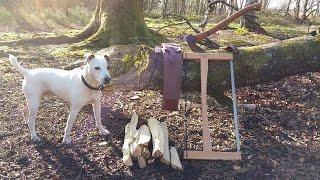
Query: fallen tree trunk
[254, 65]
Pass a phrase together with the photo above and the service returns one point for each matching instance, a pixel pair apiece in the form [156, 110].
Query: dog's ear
[88, 57]
[108, 59]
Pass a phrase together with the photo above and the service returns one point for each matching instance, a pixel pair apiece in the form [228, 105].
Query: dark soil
[279, 139]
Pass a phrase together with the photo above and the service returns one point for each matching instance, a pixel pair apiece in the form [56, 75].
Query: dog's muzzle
[107, 80]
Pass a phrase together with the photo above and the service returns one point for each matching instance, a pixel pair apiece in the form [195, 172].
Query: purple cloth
[172, 71]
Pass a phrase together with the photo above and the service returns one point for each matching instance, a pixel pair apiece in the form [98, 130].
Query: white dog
[78, 87]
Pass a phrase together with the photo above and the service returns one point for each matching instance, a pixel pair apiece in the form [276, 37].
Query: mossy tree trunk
[250, 20]
[261, 64]
[254, 65]
[114, 22]
[119, 22]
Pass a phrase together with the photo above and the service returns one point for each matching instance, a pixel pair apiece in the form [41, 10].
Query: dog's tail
[16, 65]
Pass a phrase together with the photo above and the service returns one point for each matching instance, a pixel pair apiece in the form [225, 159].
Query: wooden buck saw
[204, 58]
[207, 152]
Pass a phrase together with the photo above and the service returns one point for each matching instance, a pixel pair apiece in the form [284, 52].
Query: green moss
[69, 52]
[137, 61]
[241, 31]
[128, 62]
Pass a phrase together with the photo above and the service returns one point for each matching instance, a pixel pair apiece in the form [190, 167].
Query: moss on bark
[260, 64]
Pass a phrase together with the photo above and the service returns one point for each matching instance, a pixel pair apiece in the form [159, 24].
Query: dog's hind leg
[71, 119]
[25, 112]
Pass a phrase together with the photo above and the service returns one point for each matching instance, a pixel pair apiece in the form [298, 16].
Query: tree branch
[170, 25]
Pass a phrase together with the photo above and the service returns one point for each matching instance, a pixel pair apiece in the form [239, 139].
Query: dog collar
[101, 87]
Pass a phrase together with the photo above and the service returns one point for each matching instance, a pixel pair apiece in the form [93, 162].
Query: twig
[4, 177]
[206, 42]
[210, 10]
[223, 2]
[187, 21]
[170, 25]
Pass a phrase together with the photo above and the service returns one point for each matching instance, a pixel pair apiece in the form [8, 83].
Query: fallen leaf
[135, 97]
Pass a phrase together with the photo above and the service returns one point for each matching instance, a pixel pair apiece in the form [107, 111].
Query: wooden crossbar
[207, 152]
[209, 56]
[207, 155]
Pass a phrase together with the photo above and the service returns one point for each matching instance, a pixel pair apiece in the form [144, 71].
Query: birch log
[133, 125]
[146, 153]
[142, 162]
[135, 148]
[127, 160]
[144, 136]
[165, 159]
[157, 137]
[175, 160]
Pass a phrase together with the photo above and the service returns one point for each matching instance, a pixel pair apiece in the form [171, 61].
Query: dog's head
[97, 67]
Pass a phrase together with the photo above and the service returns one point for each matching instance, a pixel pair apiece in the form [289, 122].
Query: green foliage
[274, 19]
[241, 30]
[48, 18]
[5, 16]
[154, 15]
[79, 15]
[284, 31]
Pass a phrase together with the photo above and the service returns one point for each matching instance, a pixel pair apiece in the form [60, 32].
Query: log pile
[136, 143]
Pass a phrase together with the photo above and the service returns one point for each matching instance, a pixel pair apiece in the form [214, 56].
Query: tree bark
[286, 13]
[114, 22]
[254, 65]
[304, 10]
[182, 8]
[297, 10]
[165, 7]
[250, 20]
[260, 64]
[122, 22]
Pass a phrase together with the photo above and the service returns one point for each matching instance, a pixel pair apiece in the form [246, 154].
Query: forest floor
[279, 138]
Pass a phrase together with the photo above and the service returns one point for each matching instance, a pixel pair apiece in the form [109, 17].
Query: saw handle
[192, 39]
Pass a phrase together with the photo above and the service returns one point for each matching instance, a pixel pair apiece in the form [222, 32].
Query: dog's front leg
[71, 119]
[97, 117]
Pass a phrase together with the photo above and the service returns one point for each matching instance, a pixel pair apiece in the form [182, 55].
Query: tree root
[88, 31]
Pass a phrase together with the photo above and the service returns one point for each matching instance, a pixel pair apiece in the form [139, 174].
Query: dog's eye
[97, 68]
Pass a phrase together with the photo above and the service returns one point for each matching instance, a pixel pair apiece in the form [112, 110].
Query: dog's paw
[104, 132]
[35, 138]
[66, 140]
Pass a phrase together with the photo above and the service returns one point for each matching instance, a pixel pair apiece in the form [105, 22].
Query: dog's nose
[107, 80]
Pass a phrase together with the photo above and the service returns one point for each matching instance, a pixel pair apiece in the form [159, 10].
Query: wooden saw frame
[199, 54]
[207, 153]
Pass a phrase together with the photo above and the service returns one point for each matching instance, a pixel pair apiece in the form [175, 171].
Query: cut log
[136, 149]
[126, 147]
[175, 160]
[150, 161]
[142, 162]
[144, 136]
[133, 126]
[165, 159]
[157, 137]
[146, 153]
